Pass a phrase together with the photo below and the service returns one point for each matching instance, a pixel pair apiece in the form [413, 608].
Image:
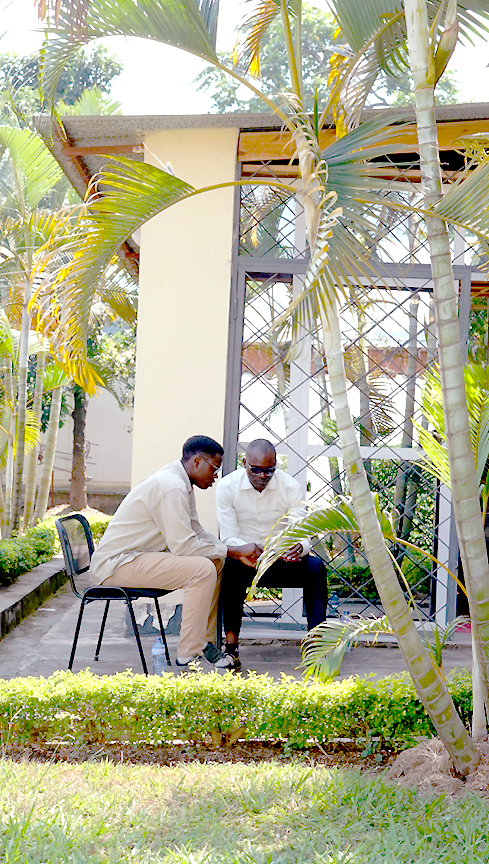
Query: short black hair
[201, 444]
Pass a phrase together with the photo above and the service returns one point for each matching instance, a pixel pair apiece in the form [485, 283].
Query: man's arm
[173, 517]
[247, 553]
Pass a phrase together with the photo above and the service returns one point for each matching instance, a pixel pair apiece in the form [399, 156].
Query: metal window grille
[390, 341]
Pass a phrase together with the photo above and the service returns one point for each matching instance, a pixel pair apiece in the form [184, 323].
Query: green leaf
[466, 202]
[133, 192]
[325, 646]
[185, 24]
[359, 21]
[28, 172]
[477, 397]
[54, 376]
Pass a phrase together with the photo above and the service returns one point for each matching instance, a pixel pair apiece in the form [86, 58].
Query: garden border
[29, 591]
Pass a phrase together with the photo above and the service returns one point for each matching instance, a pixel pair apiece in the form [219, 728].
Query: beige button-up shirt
[158, 515]
[248, 516]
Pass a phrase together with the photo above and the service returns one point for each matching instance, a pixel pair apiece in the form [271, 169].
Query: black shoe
[221, 660]
[211, 653]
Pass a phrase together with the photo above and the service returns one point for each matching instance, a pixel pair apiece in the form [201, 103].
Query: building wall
[109, 444]
[183, 314]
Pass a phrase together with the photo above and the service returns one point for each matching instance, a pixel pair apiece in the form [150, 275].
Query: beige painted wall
[183, 315]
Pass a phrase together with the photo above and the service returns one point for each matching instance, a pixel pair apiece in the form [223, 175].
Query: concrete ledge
[28, 592]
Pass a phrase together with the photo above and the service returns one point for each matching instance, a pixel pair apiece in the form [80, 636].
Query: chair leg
[219, 626]
[102, 628]
[136, 633]
[75, 637]
[162, 630]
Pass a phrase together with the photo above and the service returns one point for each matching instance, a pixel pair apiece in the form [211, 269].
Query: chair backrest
[77, 545]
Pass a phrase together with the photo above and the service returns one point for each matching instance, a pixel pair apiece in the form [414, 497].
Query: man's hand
[247, 554]
[293, 554]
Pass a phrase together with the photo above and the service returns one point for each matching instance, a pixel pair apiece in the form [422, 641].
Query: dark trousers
[309, 574]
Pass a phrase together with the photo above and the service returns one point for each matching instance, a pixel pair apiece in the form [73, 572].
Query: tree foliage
[317, 37]
[318, 44]
[87, 69]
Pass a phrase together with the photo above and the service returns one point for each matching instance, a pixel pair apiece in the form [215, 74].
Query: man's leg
[315, 590]
[198, 575]
[309, 574]
[212, 620]
[236, 578]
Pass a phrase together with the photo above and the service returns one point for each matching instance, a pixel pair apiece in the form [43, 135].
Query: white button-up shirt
[158, 515]
[248, 516]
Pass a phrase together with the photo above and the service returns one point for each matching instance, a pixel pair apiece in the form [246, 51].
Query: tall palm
[28, 173]
[339, 193]
[429, 32]
[30, 237]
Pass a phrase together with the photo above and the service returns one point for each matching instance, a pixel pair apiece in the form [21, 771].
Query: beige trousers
[201, 578]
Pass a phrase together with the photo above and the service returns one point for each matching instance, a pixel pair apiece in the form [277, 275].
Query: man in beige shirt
[155, 540]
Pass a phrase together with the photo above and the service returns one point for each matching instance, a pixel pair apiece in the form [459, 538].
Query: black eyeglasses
[268, 472]
[215, 470]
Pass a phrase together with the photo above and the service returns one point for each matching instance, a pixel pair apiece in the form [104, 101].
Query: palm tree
[30, 236]
[429, 32]
[28, 173]
[339, 192]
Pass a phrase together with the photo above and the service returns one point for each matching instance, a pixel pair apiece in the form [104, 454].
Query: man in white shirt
[249, 503]
[155, 540]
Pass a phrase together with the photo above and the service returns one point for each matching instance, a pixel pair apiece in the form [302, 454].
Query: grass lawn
[251, 814]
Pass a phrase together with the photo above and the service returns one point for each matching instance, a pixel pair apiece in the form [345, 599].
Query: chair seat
[109, 592]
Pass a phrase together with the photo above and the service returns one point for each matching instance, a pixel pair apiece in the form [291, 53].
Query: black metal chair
[77, 545]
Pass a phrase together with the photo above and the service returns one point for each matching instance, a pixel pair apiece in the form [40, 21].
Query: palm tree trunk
[18, 468]
[400, 496]
[33, 458]
[366, 425]
[465, 492]
[49, 454]
[78, 489]
[9, 468]
[428, 680]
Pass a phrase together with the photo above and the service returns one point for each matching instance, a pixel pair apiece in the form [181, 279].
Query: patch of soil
[342, 755]
[428, 768]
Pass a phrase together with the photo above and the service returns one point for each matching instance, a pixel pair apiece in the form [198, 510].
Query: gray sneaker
[228, 663]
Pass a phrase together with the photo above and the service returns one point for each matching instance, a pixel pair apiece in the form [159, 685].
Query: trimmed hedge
[87, 708]
[39, 544]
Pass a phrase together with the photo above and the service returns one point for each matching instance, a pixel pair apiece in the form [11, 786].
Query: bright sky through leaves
[158, 79]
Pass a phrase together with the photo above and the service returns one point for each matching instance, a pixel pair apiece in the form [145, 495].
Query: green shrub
[88, 708]
[37, 545]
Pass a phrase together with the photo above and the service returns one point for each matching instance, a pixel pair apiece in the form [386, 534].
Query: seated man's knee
[202, 569]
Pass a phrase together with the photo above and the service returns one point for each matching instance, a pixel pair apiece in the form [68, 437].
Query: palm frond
[54, 376]
[122, 196]
[349, 230]
[32, 430]
[436, 460]
[375, 36]
[251, 34]
[324, 647]
[7, 344]
[187, 24]
[300, 524]
[477, 397]
[466, 202]
[28, 170]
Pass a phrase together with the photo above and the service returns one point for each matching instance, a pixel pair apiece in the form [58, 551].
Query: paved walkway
[41, 645]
